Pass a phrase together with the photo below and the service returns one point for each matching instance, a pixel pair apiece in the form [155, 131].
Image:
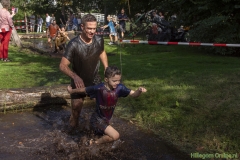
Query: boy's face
[113, 81]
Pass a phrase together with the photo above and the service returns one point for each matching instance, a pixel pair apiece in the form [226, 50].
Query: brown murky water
[41, 134]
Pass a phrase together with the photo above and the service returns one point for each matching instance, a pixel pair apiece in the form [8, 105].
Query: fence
[20, 26]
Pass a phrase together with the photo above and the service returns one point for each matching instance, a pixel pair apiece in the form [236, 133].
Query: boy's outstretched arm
[76, 90]
[137, 92]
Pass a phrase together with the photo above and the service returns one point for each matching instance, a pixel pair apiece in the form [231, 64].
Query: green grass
[28, 69]
[192, 99]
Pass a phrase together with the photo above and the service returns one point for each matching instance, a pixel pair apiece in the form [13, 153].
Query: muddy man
[84, 53]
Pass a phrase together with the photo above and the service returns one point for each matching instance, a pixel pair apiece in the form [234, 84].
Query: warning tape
[181, 43]
[20, 27]
[19, 21]
[101, 33]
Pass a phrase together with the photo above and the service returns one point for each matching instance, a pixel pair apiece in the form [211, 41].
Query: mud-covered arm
[137, 92]
[64, 67]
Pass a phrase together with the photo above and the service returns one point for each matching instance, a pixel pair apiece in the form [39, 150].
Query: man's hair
[5, 3]
[88, 18]
[111, 71]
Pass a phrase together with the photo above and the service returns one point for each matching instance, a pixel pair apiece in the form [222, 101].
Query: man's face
[89, 29]
[122, 11]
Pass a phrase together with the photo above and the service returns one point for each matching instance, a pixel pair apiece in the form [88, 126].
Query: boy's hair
[111, 71]
[88, 18]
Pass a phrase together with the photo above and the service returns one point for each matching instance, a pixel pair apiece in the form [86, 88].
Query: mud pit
[41, 134]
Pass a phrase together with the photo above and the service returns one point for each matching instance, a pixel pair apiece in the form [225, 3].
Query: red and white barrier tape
[101, 33]
[19, 21]
[181, 43]
[20, 27]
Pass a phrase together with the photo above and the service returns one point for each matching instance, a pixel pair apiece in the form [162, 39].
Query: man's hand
[78, 82]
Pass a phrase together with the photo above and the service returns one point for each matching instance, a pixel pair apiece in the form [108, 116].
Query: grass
[192, 99]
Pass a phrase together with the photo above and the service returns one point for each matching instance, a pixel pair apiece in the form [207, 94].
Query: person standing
[6, 26]
[62, 19]
[53, 29]
[48, 21]
[83, 53]
[32, 23]
[122, 18]
[79, 22]
[39, 23]
[52, 18]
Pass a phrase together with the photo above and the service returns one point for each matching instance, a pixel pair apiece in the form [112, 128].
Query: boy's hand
[69, 88]
[142, 89]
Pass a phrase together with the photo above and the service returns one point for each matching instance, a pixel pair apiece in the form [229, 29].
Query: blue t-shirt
[106, 100]
[111, 26]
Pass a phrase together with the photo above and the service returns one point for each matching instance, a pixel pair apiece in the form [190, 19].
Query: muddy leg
[111, 135]
[76, 110]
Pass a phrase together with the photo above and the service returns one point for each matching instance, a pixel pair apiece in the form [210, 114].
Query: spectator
[122, 18]
[62, 19]
[48, 21]
[39, 23]
[32, 23]
[79, 22]
[161, 15]
[75, 23]
[6, 26]
[52, 18]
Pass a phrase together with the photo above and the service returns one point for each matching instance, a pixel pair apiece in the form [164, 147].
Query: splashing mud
[43, 134]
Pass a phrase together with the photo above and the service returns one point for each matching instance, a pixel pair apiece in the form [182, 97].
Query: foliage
[210, 21]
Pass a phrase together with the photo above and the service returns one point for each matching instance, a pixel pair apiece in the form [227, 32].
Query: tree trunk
[31, 97]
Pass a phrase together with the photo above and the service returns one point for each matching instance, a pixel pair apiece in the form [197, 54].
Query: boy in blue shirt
[106, 95]
[112, 30]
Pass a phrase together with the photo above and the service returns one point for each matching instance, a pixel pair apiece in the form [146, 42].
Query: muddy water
[42, 133]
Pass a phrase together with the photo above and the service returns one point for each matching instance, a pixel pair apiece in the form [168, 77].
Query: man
[48, 19]
[83, 53]
[122, 22]
[62, 19]
[39, 23]
[53, 29]
[32, 23]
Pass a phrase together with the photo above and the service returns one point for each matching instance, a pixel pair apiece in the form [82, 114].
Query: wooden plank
[14, 35]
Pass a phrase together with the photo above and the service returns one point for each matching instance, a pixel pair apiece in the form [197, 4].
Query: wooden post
[26, 23]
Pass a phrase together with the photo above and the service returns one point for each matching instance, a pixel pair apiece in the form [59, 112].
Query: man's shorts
[98, 124]
[122, 28]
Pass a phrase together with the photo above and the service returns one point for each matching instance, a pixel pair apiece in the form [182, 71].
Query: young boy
[112, 31]
[106, 95]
